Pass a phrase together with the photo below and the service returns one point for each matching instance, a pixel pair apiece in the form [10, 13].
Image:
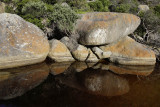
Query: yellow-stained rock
[21, 43]
[128, 51]
[59, 52]
[99, 28]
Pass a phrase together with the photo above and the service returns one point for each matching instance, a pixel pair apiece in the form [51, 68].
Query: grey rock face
[99, 28]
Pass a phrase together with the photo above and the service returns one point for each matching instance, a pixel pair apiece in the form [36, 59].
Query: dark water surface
[80, 84]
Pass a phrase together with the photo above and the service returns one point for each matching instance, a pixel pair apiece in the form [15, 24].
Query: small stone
[70, 43]
[92, 57]
[143, 8]
[100, 53]
[81, 53]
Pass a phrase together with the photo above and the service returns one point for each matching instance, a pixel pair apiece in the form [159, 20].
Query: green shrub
[150, 21]
[123, 8]
[157, 10]
[141, 14]
[32, 19]
[36, 8]
[64, 18]
[100, 5]
[49, 8]
[79, 4]
[9, 9]
[51, 1]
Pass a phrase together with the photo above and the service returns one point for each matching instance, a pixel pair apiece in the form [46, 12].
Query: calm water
[80, 84]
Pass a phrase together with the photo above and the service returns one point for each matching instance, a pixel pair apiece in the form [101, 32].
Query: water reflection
[97, 82]
[78, 84]
[16, 81]
[125, 69]
[66, 67]
[58, 68]
[134, 70]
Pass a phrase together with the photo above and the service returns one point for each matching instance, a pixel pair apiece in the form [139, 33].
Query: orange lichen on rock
[59, 52]
[21, 43]
[130, 52]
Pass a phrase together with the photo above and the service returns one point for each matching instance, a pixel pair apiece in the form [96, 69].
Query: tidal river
[80, 84]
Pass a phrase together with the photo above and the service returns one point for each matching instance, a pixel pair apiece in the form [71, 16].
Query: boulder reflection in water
[125, 69]
[134, 70]
[96, 82]
[17, 81]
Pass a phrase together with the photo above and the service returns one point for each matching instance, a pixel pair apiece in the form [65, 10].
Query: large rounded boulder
[21, 43]
[99, 28]
[129, 52]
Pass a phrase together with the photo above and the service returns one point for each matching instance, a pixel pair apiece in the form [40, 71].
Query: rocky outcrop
[59, 52]
[21, 43]
[2, 7]
[99, 28]
[127, 51]
[79, 52]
